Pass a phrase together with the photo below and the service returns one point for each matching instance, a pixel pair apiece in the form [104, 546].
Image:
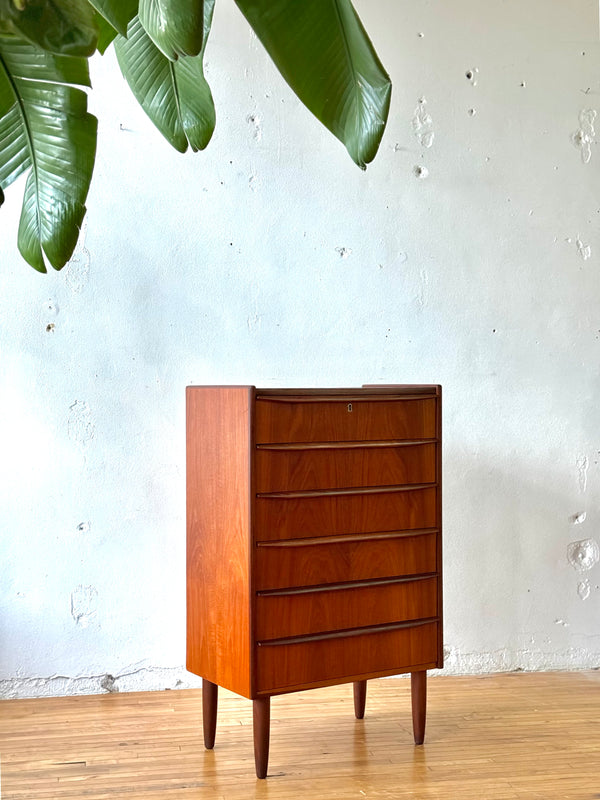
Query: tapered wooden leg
[261, 711]
[209, 712]
[360, 698]
[418, 686]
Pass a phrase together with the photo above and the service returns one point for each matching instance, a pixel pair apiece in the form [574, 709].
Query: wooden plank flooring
[518, 735]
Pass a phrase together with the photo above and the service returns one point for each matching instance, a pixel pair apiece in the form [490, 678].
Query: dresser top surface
[375, 389]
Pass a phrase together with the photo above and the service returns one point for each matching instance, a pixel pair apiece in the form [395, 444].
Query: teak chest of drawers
[313, 542]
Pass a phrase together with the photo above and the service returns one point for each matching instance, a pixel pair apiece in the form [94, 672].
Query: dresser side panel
[218, 535]
[439, 513]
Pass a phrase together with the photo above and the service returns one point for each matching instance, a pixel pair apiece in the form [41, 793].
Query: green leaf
[45, 128]
[175, 95]
[118, 12]
[323, 52]
[65, 27]
[175, 26]
[106, 33]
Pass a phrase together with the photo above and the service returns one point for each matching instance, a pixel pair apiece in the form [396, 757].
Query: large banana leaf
[118, 12]
[106, 33]
[174, 94]
[320, 47]
[65, 27]
[323, 52]
[175, 26]
[45, 128]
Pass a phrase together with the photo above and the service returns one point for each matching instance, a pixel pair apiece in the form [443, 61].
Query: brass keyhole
[349, 406]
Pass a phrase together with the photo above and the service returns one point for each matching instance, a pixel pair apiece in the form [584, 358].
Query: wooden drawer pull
[319, 637]
[358, 445]
[332, 587]
[349, 537]
[408, 487]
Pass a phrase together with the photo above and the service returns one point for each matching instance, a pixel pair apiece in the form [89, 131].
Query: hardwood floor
[517, 735]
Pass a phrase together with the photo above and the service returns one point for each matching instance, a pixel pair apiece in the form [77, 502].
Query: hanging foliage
[319, 46]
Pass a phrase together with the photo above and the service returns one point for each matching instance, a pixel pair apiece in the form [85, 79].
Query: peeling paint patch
[584, 589]
[253, 322]
[583, 555]
[51, 308]
[83, 605]
[584, 250]
[422, 297]
[108, 683]
[255, 120]
[84, 527]
[457, 662]
[401, 258]
[561, 622]
[78, 268]
[49, 313]
[583, 464]
[149, 678]
[81, 425]
[585, 136]
[579, 518]
[422, 124]
[471, 76]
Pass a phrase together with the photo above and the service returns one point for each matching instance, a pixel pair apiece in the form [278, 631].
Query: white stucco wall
[272, 260]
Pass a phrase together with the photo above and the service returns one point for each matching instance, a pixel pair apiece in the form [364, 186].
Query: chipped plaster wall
[467, 254]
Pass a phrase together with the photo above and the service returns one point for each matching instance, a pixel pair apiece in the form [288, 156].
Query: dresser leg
[209, 712]
[418, 686]
[360, 698]
[261, 712]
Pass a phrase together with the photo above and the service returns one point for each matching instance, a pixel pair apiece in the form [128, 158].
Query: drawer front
[333, 609]
[280, 566]
[327, 515]
[314, 420]
[283, 667]
[326, 468]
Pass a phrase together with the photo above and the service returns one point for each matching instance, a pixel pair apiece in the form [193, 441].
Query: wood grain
[275, 604]
[338, 608]
[310, 562]
[360, 698]
[283, 666]
[218, 535]
[515, 736]
[290, 518]
[210, 702]
[332, 420]
[418, 693]
[261, 723]
[331, 468]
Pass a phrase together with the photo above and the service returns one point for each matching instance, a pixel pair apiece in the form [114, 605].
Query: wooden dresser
[313, 543]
